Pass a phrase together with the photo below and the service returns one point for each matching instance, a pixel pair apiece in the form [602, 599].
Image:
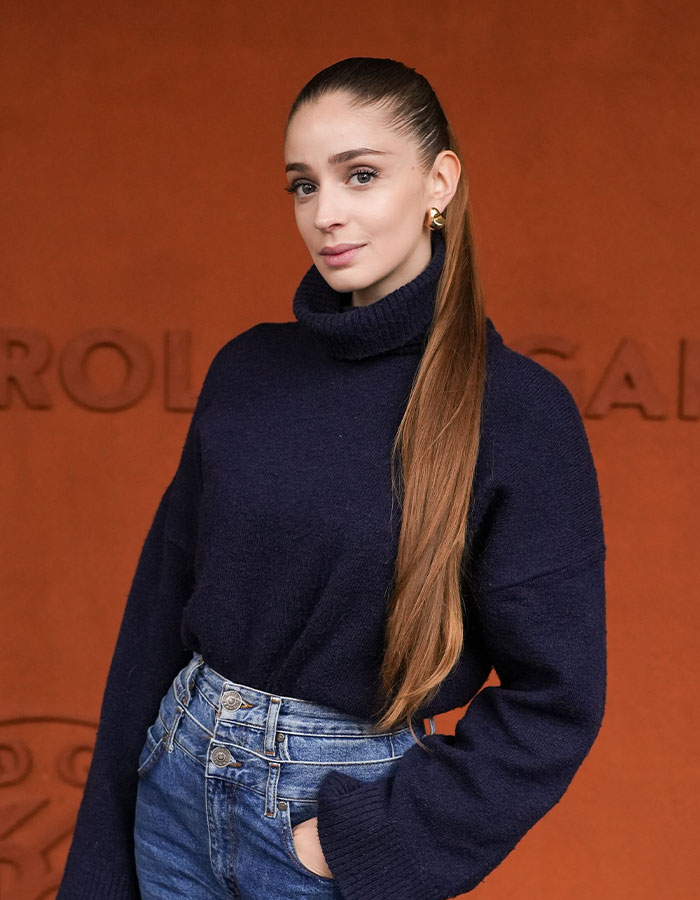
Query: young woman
[376, 504]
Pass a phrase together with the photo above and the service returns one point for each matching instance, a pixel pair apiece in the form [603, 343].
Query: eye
[362, 172]
[293, 188]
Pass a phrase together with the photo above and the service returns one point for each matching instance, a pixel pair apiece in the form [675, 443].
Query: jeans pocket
[294, 812]
[152, 749]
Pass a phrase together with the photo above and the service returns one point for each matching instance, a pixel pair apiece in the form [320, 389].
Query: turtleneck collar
[399, 321]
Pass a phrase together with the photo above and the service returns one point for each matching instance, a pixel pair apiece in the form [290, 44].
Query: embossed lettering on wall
[26, 354]
[43, 766]
[627, 380]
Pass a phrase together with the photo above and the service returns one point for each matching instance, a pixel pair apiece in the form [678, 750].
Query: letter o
[74, 375]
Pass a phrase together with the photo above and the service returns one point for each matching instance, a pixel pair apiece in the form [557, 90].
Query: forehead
[330, 121]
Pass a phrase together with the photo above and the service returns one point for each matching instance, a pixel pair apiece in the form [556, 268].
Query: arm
[147, 656]
[446, 818]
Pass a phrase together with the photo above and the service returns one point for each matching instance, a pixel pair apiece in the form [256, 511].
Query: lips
[339, 248]
[342, 257]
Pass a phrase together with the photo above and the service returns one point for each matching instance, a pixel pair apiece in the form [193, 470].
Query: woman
[376, 504]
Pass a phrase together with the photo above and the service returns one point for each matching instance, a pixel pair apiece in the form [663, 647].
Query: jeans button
[221, 756]
[231, 700]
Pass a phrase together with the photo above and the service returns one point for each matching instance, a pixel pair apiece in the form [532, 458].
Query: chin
[343, 287]
[345, 282]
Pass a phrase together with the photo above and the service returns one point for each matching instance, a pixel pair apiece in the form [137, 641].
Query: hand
[308, 847]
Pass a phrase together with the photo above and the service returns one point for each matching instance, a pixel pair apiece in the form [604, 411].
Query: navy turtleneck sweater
[271, 551]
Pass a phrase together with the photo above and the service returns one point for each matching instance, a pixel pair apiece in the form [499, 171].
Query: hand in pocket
[308, 847]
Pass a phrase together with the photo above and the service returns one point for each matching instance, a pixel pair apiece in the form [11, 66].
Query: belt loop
[191, 677]
[170, 735]
[183, 701]
[273, 711]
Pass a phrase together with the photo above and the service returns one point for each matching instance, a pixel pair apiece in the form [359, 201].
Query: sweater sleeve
[147, 656]
[447, 817]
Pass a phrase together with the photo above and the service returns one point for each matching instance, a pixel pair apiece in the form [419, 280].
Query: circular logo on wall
[43, 767]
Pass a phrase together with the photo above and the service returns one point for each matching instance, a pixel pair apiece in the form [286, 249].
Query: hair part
[436, 446]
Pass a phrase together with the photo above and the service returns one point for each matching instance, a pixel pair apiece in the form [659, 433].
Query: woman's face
[378, 200]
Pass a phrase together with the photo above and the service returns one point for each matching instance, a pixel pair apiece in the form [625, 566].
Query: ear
[444, 178]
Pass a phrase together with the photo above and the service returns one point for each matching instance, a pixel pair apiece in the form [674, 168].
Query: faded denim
[226, 772]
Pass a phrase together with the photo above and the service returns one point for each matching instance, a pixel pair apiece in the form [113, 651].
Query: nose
[329, 210]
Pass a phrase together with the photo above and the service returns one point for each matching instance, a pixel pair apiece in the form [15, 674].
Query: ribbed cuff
[368, 858]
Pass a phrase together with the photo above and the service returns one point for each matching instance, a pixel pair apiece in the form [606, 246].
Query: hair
[436, 445]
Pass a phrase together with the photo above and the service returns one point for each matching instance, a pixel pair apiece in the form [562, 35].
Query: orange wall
[142, 173]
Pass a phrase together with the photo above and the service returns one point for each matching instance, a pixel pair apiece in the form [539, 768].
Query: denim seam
[317, 734]
[204, 697]
[190, 754]
[191, 715]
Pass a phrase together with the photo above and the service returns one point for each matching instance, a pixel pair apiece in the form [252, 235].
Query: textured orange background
[142, 164]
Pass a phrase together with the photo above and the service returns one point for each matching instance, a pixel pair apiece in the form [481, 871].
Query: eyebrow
[338, 158]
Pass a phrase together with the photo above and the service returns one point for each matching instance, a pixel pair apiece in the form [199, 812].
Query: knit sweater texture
[271, 552]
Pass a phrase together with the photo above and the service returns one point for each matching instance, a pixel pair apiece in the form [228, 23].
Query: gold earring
[437, 219]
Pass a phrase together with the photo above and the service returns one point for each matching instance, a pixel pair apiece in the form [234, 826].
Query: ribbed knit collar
[398, 322]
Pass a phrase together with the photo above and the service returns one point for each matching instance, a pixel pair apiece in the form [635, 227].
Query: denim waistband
[240, 703]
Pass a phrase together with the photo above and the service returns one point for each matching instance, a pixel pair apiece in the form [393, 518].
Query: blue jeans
[227, 771]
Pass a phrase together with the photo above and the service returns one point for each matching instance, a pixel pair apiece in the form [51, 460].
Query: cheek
[303, 218]
[390, 209]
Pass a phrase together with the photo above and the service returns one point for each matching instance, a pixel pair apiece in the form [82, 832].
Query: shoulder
[526, 405]
[244, 348]
[261, 341]
[225, 362]
[249, 356]
[520, 385]
[239, 345]
[541, 499]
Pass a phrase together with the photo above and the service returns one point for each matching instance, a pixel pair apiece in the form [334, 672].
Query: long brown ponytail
[437, 442]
